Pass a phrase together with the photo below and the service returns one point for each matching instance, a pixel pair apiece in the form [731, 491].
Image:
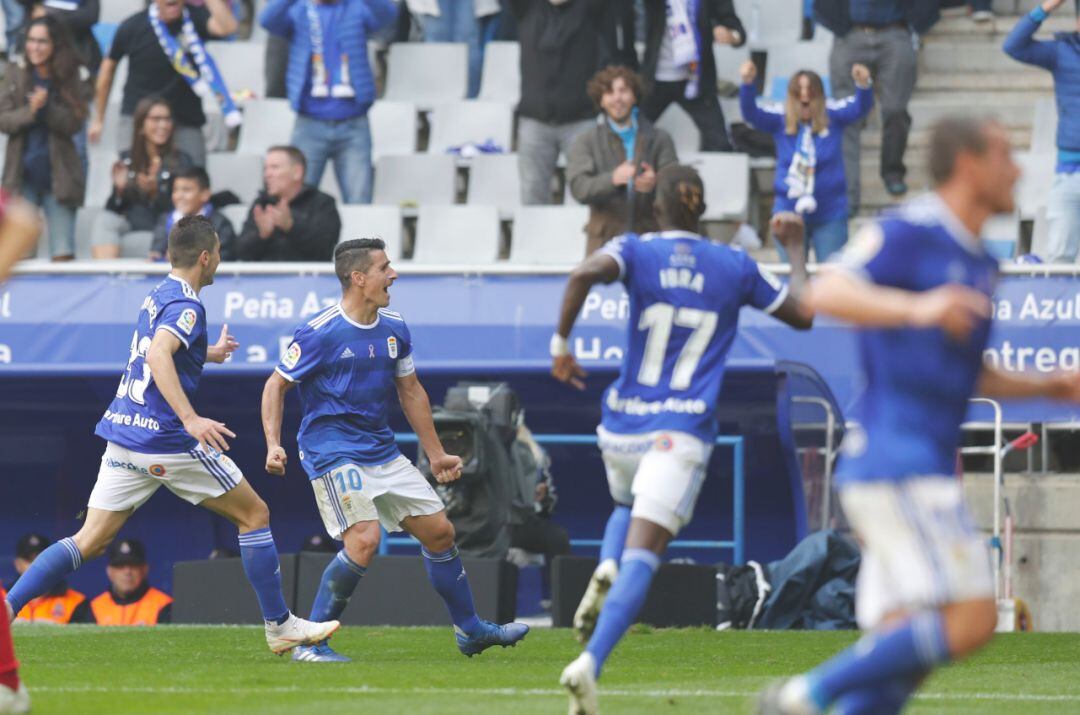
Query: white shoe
[982, 15]
[579, 679]
[14, 702]
[588, 611]
[296, 631]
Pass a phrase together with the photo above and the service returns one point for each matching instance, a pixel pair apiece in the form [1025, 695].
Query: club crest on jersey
[664, 443]
[391, 346]
[291, 357]
[157, 470]
[186, 321]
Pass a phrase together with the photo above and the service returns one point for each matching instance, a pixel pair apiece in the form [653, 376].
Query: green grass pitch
[417, 671]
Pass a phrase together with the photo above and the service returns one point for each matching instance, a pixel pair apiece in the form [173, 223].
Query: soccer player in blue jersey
[918, 283]
[659, 421]
[155, 438]
[346, 363]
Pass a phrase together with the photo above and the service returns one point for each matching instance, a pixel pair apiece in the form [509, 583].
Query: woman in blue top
[810, 186]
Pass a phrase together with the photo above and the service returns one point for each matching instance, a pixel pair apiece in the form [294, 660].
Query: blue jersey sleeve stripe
[286, 375]
[777, 301]
[177, 333]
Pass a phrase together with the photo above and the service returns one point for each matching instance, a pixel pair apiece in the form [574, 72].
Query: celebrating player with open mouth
[659, 419]
[156, 438]
[345, 362]
[918, 283]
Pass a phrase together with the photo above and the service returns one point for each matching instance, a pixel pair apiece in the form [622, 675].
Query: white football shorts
[388, 492]
[660, 473]
[127, 479]
[920, 549]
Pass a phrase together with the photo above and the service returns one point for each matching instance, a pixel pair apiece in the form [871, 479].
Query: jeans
[539, 144]
[457, 23]
[703, 109]
[14, 15]
[348, 143]
[1063, 219]
[827, 237]
[890, 55]
[59, 218]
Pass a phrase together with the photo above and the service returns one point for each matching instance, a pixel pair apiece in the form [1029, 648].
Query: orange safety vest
[143, 612]
[52, 609]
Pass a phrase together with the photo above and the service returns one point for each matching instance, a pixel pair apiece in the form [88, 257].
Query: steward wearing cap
[61, 605]
[130, 600]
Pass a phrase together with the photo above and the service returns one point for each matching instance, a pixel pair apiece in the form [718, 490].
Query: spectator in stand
[456, 21]
[560, 50]
[679, 65]
[61, 605]
[142, 179]
[290, 220]
[330, 85]
[78, 16]
[880, 34]
[130, 600]
[167, 58]
[1061, 56]
[191, 195]
[810, 189]
[612, 166]
[43, 102]
[14, 16]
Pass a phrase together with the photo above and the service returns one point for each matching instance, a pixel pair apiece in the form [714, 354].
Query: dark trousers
[538, 535]
[704, 110]
[891, 58]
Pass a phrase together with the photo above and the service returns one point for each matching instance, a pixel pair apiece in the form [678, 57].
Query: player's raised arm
[600, 267]
[273, 411]
[417, 408]
[1019, 386]
[160, 359]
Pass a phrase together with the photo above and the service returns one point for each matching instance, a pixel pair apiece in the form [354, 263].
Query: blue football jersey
[139, 418]
[685, 294]
[918, 381]
[345, 373]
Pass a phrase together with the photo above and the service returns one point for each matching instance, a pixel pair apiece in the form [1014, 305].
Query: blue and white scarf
[800, 174]
[685, 43]
[320, 86]
[206, 79]
[175, 215]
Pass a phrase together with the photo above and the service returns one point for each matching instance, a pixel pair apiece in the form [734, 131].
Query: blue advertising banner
[472, 322]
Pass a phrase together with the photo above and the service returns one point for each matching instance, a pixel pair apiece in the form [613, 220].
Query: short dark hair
[194, 173]
[601, 82]
[355, 255]
[295, 155]
[189, 238]
[951, 137]
[680, 197]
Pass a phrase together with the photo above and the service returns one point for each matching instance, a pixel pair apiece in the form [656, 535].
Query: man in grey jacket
[612, 166]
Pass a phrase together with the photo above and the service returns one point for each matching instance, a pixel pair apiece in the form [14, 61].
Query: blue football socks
[624, 601]
[260, 558]
[913, 648]
[338, 583]
[615, 534]
[886, 698]
[52, 566]
[447, 575]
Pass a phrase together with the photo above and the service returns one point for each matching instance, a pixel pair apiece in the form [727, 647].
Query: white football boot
[295, 632]
[579, 679]
[588, 611]
[14, 702]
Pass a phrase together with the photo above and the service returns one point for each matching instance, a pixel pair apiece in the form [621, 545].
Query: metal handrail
[737, 544]
[996, 450]
[830, 451]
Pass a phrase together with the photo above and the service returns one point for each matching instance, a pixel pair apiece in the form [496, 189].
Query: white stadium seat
[457, 123]
[501, 78]
[427, 73]
[84, 223]
[785, 60]
[238, 173]
[241, 64]
[727, 184]
[729, 60]
[676, 122]
[393, 128]
[415, 179]
[457, 235]
[770, 22]
[549, 235]
[120, 10]
[494, 180]
[99, 176]
[1036, 179]
[267, 123]
[1044, 126]
[373, 222]
[237, 215]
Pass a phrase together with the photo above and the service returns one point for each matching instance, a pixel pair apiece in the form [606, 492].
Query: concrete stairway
[963, 70]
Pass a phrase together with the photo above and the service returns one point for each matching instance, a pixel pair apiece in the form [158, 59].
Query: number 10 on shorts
[347, 479]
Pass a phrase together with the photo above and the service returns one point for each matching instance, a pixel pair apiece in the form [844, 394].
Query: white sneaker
[982, 15]
[588, 611]
[296, 631]
[14, 702]
[579, 679]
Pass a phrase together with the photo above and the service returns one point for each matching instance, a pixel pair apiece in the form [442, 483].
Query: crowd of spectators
[587, 96]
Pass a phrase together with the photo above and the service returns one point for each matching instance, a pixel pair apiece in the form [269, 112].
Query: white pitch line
[518, 692]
